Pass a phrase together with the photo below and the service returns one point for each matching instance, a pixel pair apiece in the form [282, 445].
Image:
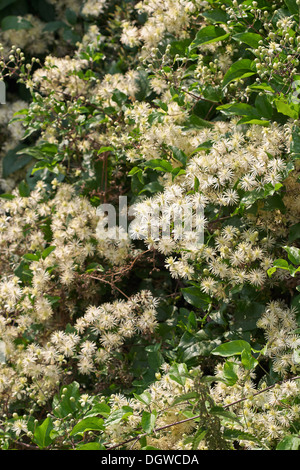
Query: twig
[112, 285]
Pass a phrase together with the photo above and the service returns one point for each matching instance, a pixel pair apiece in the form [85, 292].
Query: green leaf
[23, 272]
[216, 16]
[241, 69]
[13, 161]
[281, 264]
[153, 187]
[179, 155]
[15, 22]
[262, 86]
[91, 446]
[54, 26]
[116, 416]
[256, 122]
[293, 254]
[8, 197]
[294, 233]
[159, 164]
[232, 348]
[251, 39]
[247, 313]
[248, 361]
[295, 144]
[239, 109]
[31, 257]
[296, 356]
[101, 409]
[119, 97]
[185, 397]
[24, 189]
[212, 93]
[70, 36]
[179, 47]
[178, 373]
[42, 433]
[208, 35]
[296, 303]
[148, 421]
[71, 16]
[198, 437]
[195, 297]
[105, 149]
[288, 109]
[291, 442]
[263, 106]
[226, 415]
[94, 267]
[144, 398]
[47, 251]
[88, 424]
[150, 448]
[292, 6]
[67, 402]
[236, 435]
[230, 373]
[195, 122]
